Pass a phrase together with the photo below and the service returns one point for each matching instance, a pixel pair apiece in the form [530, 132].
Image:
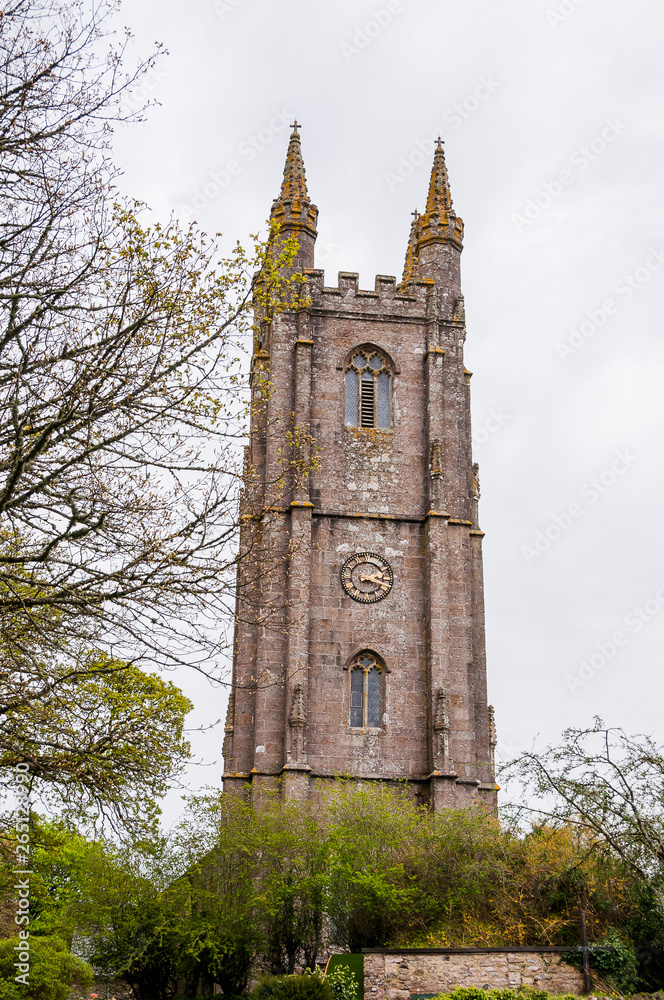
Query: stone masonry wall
[397, 976]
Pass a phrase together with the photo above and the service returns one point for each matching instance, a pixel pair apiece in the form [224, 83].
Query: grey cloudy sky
[552, 115]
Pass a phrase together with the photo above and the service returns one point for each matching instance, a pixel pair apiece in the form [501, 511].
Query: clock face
[366, 577]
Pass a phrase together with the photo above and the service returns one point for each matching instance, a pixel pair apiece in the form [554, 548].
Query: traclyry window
[365, 692]
[367, 391]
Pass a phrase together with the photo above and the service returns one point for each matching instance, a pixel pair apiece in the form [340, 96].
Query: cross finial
[295, 126]
[416, 214]
[439, 142]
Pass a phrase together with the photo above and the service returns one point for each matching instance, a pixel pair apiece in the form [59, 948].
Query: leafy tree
[292, 879]
[261, 875]
[218, 853]
[123, 908]
[163, 923]
[645, 929]
[108, 899]
[58, 858]
[103, 744]
[373, 836]
[608, 785]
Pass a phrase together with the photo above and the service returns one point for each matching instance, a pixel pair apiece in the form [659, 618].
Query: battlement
[347, 292]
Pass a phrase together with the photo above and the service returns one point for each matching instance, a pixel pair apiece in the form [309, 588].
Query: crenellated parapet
[386, 300]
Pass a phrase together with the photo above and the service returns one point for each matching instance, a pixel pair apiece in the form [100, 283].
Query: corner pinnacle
[292, 214]
[411, 255]
[294, 184]
[439, 198]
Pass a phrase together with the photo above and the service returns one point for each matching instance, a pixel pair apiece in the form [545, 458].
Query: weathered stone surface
[397, 976]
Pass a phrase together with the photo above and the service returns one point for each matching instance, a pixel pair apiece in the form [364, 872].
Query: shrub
[310, 986]
[619, 965]
[521, 993]
[53, 970]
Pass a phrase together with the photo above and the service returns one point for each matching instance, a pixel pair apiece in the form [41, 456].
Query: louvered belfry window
[367, 383]
[366, 692]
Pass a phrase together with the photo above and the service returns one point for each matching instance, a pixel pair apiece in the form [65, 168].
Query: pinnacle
[294, 184]
[410, 262]
[439, 198]
[298, 713]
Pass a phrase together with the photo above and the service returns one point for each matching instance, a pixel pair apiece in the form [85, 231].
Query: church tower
[359, 639]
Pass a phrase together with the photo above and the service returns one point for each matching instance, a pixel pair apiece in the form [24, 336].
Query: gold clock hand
[371, 578]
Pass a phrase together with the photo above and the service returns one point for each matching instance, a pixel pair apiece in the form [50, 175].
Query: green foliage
[104, 745]
[620, 965]
[264, 872]
[401, 876]
[60, 863]
[342, 982]
[310, 986]
[371, 890]
[522, 993]
[53, 970]
[645, 928]
[212, 951]
[126, 909]
[235, 884]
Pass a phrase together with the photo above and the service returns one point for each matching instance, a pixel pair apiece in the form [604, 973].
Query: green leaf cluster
[342, 982]
[522, 993]
[103, 745]
[53, 970]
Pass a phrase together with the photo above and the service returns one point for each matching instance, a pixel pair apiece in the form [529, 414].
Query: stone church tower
[359, 640]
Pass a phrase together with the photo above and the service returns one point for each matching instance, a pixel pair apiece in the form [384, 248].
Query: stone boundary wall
[396, 975]
[114, 990]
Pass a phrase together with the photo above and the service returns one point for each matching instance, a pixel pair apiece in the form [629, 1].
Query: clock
[366, 577]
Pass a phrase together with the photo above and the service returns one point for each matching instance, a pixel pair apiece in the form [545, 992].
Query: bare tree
[606, 782]
[121, 396]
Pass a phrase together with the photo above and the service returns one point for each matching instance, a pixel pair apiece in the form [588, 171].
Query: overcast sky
[552, 115]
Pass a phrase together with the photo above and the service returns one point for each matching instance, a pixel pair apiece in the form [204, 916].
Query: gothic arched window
[367, 382]
[365, 692]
